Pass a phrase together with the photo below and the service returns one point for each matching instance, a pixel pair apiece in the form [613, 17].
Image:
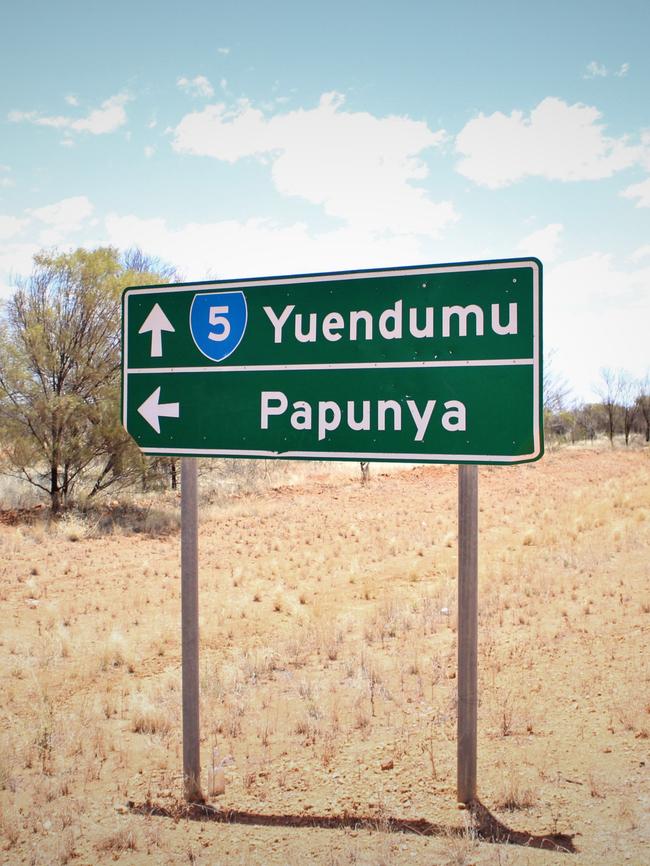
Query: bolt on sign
[439, 363]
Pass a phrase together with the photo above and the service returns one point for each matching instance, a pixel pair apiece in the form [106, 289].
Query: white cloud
[556, 141]
[595, 70]
[641, 191]
[52, 225]
[358, 167]
[223, 249]
[599, 70]
[56, 121]
[10, 226]
[596, 315]
[107, 118]
[642, 252]
[71, 99]
[62, 218]
[224, 51]
[198, 86]
[15, 258]
[543, 243]
[149, 151]
[645, 147]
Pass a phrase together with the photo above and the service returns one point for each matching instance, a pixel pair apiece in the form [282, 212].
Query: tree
[555, 388]
[591, 419]
[555, 393]
[139, 262]
[609, 392]
[627, 395]
[642, 404]
[59, 366]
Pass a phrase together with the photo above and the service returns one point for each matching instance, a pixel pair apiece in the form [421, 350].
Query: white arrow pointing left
[156, 322]
[152, 410]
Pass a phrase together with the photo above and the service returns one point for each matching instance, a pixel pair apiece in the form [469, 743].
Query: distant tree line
[622, 411]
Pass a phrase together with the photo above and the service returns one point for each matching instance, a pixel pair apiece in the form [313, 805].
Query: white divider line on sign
[378, 365]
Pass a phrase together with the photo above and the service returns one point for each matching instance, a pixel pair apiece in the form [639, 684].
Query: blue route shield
[218, 322]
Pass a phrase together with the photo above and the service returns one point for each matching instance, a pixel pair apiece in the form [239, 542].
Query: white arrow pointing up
[156, 322]
[152, 410]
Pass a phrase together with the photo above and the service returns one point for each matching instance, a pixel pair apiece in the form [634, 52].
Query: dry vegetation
[328, 641]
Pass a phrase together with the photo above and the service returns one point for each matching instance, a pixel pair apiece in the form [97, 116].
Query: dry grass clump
[156, 710]
[513, 796]
[147, 718]
[158, 522]
[75, 527]
[115, 653]
[157, 517]
[118, 841]
[461, 849]
[66, 847]
[127, 517]
[7, 763]
[9, 828]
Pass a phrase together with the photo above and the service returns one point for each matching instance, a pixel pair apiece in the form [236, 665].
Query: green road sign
[440, 364]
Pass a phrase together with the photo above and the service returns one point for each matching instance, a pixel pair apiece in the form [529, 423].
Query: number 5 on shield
[219, 320]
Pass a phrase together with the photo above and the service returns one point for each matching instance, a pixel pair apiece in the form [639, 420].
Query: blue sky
[248, 139]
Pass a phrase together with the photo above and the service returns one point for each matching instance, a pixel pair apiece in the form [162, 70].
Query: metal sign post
[467, 632]
[190, 630]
